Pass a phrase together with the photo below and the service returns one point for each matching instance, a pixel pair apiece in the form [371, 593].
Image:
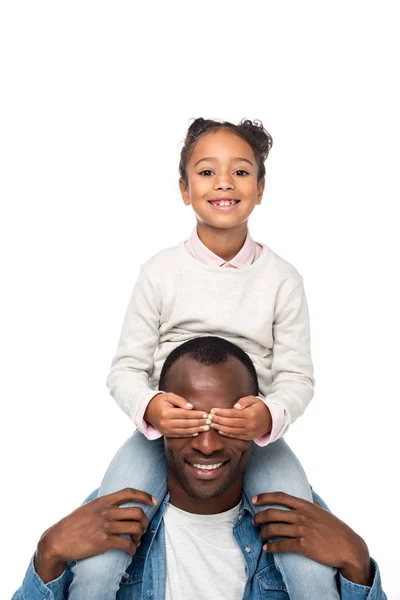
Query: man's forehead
[221, 384]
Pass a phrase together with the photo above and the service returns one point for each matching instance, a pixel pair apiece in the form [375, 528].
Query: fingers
[287, 545]
[225, 412]
[230, 431]
[178, 401]
[276, 515]
[119, 543]
[246, 402]
[240, 405]
[133, 513]
[187, 415]
[281, 530]
[132, 528]
[281, 498]
[236, 422]
[184, 426]
[197, 424]
[129, 495]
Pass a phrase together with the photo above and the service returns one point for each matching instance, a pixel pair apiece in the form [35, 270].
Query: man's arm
[92, 529]
[314, 532]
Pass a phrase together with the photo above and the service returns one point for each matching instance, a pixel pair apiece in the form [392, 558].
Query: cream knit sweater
[262, 308]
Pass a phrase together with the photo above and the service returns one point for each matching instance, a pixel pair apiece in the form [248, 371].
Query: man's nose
[208, 442]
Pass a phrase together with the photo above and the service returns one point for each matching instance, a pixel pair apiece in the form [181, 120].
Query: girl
[219, 282]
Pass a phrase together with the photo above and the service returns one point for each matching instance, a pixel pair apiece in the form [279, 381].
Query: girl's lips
[223, 207]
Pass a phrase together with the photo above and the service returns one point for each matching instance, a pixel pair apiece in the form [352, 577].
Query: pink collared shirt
[246, 256]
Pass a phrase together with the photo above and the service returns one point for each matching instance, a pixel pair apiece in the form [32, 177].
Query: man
[204, 541]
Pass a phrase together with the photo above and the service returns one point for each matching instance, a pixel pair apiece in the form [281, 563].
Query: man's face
[210, 465]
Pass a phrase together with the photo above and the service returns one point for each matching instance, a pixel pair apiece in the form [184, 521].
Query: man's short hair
[210, 350]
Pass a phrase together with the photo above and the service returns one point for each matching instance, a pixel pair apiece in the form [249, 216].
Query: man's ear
[260, 190]
[184, 191]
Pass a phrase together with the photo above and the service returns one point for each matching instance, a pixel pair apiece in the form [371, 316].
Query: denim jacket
[146, 576]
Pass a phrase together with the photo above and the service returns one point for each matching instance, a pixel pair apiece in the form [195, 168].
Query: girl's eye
[208, 172]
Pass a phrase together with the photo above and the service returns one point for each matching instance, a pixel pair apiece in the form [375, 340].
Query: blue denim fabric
[270, 468]
[146, 575]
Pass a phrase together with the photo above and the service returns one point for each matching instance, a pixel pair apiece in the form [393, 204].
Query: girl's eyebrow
[213, 158]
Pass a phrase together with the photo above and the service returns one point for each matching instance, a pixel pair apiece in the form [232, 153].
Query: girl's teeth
[225, 203]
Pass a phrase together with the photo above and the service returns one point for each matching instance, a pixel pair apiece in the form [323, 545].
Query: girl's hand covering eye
[173, 416]
[249, 419]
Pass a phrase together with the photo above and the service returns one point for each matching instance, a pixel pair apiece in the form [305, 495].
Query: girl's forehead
[221, 144]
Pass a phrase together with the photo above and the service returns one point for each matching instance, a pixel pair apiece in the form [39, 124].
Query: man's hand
[174, 417]
[249, 419]
[314, 532]
[92, 529]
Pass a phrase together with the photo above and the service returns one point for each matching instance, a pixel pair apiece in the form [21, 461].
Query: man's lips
[206, 470]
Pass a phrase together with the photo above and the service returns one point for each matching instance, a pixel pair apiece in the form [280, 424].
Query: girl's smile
[222, 181]
[224, 203]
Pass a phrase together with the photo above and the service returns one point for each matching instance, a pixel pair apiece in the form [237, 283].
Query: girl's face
[222, 180]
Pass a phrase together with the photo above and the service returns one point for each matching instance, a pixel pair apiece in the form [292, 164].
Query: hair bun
[195, 129]
[259, 135]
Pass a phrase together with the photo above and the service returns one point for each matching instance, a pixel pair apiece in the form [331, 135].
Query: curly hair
[252, 132]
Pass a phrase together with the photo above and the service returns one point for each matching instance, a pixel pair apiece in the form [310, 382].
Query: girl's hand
[173, 416]
[249, 419]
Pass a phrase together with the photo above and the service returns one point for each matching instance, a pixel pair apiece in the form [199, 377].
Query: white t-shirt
[203, 558]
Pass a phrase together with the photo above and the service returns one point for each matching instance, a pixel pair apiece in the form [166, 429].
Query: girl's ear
[260, 190]
[184, 191]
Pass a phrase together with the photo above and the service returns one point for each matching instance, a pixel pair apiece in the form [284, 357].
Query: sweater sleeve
[292, 368]
[132, 365]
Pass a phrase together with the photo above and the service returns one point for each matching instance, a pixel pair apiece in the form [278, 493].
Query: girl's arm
[265, 420]
[132, 365]
[292, 369]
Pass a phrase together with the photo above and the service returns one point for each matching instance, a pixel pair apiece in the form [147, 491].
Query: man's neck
[225, 243]
[210, 506]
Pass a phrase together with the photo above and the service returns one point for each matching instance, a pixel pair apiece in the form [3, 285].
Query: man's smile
[206, 470]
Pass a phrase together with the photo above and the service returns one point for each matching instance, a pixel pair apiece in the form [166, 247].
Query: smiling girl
[218, 282]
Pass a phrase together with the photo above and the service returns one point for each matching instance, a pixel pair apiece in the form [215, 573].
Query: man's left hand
[314, 532]
[249, 419]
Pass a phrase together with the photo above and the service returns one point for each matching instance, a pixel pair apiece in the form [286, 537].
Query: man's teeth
[206, 467]
[224, 203]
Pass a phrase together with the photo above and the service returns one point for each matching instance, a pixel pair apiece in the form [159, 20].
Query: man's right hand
[92, 529]
[174, 417]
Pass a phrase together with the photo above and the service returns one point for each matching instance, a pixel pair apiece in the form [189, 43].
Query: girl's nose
[224, 182]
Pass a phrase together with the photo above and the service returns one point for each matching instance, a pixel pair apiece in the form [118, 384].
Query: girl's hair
[253, 132]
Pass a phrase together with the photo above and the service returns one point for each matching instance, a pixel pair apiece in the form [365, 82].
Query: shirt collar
[245, 257]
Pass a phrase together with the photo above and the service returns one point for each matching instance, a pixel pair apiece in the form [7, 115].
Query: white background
[96, 98]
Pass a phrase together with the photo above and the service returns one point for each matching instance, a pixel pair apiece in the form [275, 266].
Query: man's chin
[205, 492]
[203, 489]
